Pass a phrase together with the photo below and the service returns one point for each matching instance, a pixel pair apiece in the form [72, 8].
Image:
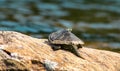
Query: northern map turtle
[66, 40]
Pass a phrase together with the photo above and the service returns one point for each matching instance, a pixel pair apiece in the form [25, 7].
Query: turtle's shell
[64, 37]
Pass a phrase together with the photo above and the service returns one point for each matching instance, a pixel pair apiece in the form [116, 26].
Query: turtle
[65, 39]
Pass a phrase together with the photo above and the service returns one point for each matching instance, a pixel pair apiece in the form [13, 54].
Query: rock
[25, 53]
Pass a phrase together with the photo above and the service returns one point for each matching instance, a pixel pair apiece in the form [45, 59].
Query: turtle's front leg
[75, 50]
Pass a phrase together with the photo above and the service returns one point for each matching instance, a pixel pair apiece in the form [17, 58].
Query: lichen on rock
[50, 65]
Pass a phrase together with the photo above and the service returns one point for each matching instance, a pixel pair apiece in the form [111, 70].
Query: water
[96, 22]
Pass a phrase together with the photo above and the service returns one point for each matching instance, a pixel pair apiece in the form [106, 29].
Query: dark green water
[96, 22]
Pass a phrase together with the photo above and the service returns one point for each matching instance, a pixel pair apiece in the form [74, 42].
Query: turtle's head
[69, 29]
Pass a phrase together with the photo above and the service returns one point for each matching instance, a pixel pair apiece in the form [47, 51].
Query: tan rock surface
[22, 52]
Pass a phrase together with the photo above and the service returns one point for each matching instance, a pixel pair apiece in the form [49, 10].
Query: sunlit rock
[24, 53]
